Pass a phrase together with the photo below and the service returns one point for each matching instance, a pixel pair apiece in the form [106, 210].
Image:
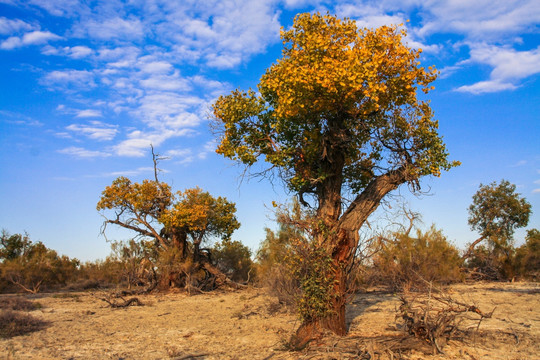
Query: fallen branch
[114, 303]
[189, 356]
[435, 318]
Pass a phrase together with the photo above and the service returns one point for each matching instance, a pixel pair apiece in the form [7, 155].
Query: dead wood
[114, 303]
[436, 318]
[189, 356]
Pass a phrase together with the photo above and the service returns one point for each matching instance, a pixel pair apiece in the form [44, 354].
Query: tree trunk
[341, 243]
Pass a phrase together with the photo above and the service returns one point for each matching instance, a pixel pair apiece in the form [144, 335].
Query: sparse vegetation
[31, 266]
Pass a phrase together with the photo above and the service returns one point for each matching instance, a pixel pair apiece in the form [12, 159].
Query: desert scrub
[18, 303]
[14, 323]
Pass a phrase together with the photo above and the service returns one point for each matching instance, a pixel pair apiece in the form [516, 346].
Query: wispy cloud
[30, 38]
[134, 172]
[520, 163]
[75, 52]
[60, 7]
[17, 118]
[10, 26]
[83, 153]
[180, 156]
[110, 28]
[96, 130]
[66, 79]
[477, 20]
[89, 113]
[139, 142]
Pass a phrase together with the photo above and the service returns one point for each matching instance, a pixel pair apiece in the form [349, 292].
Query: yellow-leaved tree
[337, 115]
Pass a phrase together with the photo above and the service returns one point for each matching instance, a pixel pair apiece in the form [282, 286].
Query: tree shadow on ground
[528, 290]
[365, 302]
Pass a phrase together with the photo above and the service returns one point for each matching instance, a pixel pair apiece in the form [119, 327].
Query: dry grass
[249, 324]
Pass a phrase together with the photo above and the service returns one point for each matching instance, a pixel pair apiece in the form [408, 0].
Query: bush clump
[14, 323]
[407, 261]
[18, 303]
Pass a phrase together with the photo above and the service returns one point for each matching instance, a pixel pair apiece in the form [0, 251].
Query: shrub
[18, 303]
[14, 323]
[32, 266]
[271, 270]
[312, 271]
[527, 258]
[415, 261]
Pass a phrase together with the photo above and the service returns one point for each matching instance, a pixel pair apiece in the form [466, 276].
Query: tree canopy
[152, 210]
[340, 102]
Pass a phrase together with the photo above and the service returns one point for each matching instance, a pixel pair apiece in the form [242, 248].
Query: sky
[87, 86]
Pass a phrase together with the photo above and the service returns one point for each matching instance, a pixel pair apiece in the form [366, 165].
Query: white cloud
[479, 19]
[110, 29]
[509, 67]
[81, 79]
[166, 82]
[139, 142]
[79, 52]
[180, 156]
[520, 163]
[88, 113]
[10, 26]
[156, 67]
[138, 171]
[30, 38]
[83, 153]
[536, 191]
[483, 87]
[208, 148]
[60, 7]
[95, 130]
[223, 33]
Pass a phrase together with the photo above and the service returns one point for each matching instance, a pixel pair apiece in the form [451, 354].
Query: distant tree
[177, 223]
[13, 246]
[234, 259]
[497, 210]
[337, 115]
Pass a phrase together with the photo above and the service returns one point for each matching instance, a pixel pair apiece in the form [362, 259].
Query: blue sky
[86, 86]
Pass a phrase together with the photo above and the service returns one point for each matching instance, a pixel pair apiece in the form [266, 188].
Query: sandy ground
[249, 324]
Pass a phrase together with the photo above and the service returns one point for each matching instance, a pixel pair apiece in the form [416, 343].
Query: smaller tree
[176, 225]
[497, 210]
